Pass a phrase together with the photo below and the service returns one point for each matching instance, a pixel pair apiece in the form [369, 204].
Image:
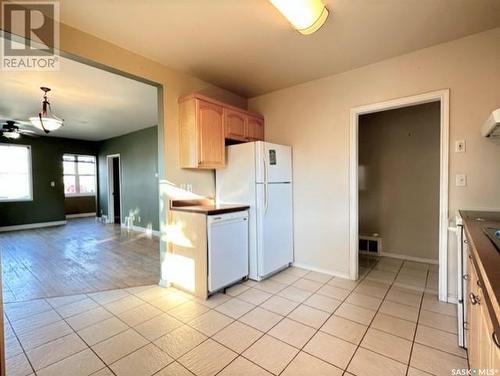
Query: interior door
[116, 190]
[274, 227]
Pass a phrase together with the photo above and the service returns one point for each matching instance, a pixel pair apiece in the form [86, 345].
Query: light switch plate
[461, 180]
[460, 146]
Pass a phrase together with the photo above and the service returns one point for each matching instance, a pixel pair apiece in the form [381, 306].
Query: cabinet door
[235, 124]
[495, 353]
[211, 153]
[468, 305]
[485, 339]
[474, 299]
[255, 129]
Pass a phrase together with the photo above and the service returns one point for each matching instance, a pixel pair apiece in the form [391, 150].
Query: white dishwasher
[227, 249]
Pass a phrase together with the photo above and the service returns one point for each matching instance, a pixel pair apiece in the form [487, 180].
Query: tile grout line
[318, 329]
[282, 318]
[373, 318]
[20, 344]
[416, 327]
[83, 340]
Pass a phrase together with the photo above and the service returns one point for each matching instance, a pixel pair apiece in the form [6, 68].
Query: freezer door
[274, 227]
[273, 163]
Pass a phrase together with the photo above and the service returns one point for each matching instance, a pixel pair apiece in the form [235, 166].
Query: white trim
[321, 270]
[80, 215]
[29, 226]
[69, 195]
[109, 169]
[452, 299]
[410, 258]
[147, 231]
[443, 97]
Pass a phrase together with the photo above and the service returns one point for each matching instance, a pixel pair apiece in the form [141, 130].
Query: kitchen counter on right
[487, 255]
[483, 291]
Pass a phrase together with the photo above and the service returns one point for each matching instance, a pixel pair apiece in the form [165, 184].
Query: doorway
[114, 189]
[442, 97]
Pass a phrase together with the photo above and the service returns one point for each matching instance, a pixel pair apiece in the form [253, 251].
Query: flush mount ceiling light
[46, 120]
[307, 16]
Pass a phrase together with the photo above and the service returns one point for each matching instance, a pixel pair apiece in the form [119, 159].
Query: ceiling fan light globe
[12, 135]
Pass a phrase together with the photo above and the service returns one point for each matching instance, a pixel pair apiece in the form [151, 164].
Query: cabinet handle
[466, 277]
[495, 339]
[474, 299]
[466, 325]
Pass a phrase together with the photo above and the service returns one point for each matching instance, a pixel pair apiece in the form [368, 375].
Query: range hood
[491, 128]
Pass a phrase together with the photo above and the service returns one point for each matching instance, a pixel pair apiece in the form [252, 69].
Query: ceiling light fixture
[12, 131]
[46, 120]
[307, 16]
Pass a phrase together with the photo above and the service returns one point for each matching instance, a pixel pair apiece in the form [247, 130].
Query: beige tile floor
[296, 323]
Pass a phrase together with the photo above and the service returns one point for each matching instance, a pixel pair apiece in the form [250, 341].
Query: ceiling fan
[11, 130]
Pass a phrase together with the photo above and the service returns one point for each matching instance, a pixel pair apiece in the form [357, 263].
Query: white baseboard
[80, 215]
[452, 299]
[147, 231]
[321, 270]
[410, 258]
[30, 226]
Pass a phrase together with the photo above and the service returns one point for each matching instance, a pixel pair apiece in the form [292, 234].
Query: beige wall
[175, 84]
[314, 119]
[399, 190]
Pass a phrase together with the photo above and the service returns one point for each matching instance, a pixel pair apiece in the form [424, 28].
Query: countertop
[486, 257]
[207, 207]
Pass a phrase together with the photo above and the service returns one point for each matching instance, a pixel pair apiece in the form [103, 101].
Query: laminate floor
[83, 256]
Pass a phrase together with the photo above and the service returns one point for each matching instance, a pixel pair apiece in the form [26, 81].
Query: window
[79, 175]
[15, 173]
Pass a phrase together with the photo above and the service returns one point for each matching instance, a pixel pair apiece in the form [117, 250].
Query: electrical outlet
[460, 180]
[460, 146]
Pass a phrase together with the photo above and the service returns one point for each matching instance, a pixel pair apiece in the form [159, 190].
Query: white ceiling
[94, 104]
[248, 47]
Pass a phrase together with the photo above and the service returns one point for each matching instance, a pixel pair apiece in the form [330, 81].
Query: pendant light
[46, 120]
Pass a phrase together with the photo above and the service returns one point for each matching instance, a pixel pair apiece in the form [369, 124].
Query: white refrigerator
[259, 174]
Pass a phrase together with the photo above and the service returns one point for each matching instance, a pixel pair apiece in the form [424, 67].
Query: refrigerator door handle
[266, 190]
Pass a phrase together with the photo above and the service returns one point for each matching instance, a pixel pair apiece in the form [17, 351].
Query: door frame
[110, 181]
[441, 96]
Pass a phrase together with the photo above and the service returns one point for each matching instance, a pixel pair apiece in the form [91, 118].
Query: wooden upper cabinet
[201, 134]
[211, 153]
[255, 128]
[235, 123]
[205, 124]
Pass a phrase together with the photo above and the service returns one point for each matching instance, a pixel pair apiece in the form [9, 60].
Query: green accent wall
[48, 202]
[139, 167]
